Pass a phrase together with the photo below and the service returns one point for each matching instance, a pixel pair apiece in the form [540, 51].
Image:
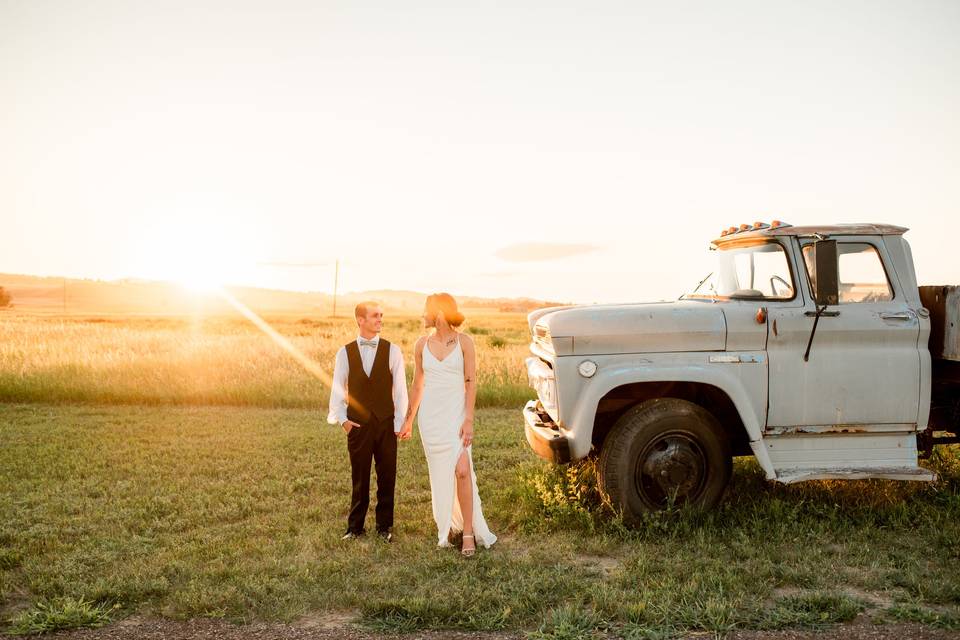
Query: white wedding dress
[442, 411]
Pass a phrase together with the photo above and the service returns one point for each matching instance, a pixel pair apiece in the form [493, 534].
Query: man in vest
[369, 401]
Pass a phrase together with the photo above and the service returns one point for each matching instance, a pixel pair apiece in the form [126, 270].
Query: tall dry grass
[219, 360]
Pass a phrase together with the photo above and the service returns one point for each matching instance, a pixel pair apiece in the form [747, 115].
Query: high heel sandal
[466, 553]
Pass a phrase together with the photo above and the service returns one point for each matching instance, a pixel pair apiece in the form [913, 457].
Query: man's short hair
[360, 311]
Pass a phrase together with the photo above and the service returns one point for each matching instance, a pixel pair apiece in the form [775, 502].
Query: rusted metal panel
[943, 302]
[868, 229]
[852, 473]
[841, 428]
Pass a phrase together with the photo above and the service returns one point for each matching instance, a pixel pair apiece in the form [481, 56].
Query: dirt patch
[862, 629]
[328, 621]
[871, 598]
[137, 628]
[605, 565]
[318, 628]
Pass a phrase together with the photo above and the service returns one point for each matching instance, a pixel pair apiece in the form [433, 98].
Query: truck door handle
[896, 316]
[824, 314]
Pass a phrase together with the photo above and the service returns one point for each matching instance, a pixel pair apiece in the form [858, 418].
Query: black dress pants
[372, 442]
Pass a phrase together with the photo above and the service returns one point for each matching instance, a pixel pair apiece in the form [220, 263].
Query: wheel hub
[672, 467]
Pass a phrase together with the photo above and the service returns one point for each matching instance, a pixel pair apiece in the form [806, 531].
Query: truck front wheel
[664, 451]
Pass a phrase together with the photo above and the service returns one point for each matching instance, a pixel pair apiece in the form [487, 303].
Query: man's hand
[349, 425]
[406, 430]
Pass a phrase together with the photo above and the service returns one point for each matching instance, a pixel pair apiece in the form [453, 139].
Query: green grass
[569, 623]
[812, 610]
[236, 513]
[61, 613]
[924, 615]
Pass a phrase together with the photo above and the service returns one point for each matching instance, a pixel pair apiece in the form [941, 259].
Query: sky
[573, 151]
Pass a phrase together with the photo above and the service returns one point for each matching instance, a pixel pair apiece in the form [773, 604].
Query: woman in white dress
[445, 391]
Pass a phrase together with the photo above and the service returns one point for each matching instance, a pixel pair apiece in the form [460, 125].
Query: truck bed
[943, 303]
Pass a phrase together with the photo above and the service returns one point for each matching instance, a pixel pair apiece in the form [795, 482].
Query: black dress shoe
[352, 535]
[385, 534]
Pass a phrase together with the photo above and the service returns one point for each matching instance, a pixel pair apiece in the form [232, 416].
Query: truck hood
[637, 328]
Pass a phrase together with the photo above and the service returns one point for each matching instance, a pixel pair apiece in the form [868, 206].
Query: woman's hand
[406, 430]
[466, 432]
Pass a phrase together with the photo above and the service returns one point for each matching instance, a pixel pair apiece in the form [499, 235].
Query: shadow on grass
[555, 498]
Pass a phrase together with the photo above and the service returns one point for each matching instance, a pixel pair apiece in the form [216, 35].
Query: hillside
[77, 296]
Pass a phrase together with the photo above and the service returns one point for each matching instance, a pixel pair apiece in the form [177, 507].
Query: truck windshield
[753, 271]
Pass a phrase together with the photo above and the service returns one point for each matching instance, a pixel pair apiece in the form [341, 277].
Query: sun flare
[200, 253]
[200, 282]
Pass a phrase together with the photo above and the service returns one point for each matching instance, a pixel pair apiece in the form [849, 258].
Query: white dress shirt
[341, 369]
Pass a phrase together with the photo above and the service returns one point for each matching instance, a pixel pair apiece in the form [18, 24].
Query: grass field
[219, 360]
[236, 513]
[182, 467]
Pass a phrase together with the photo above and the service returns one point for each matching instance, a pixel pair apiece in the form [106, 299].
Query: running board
[889, 473]
[846, 456]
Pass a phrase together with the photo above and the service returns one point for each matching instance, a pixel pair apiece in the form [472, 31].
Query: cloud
[542, 251]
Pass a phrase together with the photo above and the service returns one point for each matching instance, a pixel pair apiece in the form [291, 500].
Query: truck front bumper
[544, 435]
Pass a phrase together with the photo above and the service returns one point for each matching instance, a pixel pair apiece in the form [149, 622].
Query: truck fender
[724, 377]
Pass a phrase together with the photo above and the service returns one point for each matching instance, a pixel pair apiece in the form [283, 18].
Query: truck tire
[664, 451]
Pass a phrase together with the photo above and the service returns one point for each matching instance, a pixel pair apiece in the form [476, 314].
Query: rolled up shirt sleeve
[400, 400]
[338, 390]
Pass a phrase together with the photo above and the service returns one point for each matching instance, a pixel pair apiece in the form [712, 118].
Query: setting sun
[200, 252]
[201, 283]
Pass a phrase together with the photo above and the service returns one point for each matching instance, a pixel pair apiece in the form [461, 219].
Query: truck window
[862, 276]
[755, 270]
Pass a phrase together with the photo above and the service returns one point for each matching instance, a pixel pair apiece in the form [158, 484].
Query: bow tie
[368, 343]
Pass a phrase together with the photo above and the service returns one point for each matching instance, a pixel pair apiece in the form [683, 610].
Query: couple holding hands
[369, 401]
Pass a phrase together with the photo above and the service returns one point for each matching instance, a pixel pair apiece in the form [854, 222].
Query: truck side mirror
[826, 279]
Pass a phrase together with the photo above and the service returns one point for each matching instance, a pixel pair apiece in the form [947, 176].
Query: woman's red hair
[445, 304]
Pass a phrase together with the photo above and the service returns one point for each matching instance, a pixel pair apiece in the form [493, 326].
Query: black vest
[369, 398]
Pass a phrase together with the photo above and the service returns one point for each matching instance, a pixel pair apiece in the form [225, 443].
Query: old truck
[811, 348]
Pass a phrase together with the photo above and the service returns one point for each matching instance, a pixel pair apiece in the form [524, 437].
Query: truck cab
[806, 347]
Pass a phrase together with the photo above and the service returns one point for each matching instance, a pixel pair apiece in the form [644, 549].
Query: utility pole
[312, 265]
[336, 278]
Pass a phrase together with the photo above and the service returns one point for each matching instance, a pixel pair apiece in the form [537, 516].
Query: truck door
[864, 366]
